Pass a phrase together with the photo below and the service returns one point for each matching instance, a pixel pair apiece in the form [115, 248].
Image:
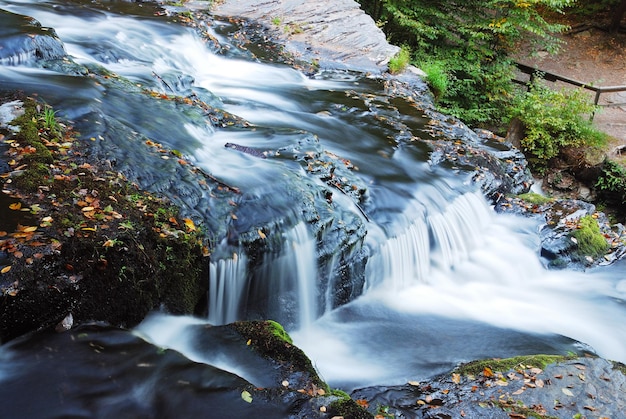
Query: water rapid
[445, 279]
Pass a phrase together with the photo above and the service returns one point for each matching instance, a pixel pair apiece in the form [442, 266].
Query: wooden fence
[535, 72]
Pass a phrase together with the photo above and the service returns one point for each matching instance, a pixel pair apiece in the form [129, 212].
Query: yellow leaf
[15, 206]
[246, 396]
[109, 243]
[30, 229]
[456, 378]
[189, 224]
[5, 269]
[261, 234]
[87, 209]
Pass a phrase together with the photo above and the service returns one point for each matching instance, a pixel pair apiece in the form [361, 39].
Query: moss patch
[591, 241]
[535, 198]
[506, 364]
[95, 246]
[271, 340]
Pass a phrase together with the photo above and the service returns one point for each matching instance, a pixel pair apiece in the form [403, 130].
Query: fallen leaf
[30, 229]
[189, 224]
[262, 235]
[246, 396]
[567, 392]
[5, 269]
[487, 372]
[15, 206]
[363, 403]
[456, 378]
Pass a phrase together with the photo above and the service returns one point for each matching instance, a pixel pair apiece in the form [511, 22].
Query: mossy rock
[502, 365]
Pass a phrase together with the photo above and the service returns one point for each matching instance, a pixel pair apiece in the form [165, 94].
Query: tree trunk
[618, 14]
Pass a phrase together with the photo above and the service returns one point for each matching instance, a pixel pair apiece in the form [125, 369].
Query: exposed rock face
[579, 387]
[316, 31]
[25, 40]
[51, 374]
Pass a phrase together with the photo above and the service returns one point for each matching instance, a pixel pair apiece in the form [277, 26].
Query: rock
[314, 31]
[44, 375]
[25, 40]
[562, 388]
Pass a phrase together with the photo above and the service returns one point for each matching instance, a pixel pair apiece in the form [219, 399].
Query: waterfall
[291, 279]
[457, 229]
[284, 287]
[228, 288]
[438, 237]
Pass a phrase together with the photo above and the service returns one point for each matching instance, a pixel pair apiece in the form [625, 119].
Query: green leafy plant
[473, 39]
[436, 77]
[400, 61]
[612, 183]
[554, 119]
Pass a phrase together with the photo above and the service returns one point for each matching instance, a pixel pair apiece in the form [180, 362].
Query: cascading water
[228, 287]
[446, 280]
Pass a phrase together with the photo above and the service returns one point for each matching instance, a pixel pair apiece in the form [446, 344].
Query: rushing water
[447, 280]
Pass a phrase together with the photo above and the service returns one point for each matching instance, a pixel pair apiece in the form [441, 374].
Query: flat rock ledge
[317, 30]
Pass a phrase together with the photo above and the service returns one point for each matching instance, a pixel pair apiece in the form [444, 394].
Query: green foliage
[591, 241]
[612, 182]
[554, 120]
[471, 40]
[436, 77]
[400, 61]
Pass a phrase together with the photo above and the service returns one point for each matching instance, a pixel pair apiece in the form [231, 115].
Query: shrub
[436, 77]
[554, 119]
[612, 183]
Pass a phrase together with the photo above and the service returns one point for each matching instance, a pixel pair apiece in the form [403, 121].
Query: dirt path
[591, 55]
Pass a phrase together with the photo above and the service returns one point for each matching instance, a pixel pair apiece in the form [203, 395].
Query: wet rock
[50, 374]
[25, 40]
[585, 387]
[559, 219]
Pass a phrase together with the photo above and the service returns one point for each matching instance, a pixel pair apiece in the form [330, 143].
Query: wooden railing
[535, 72]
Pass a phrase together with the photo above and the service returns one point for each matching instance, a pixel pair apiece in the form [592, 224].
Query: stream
[398, 271]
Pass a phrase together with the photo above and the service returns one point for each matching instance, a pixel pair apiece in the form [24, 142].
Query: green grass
[399, 62]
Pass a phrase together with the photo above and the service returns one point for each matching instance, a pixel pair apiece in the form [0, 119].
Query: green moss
[506, 364]
[521, 410]
[591, 241]
[348, 409]
[279, 331]
[620, 367]
[535, 198]
[270, 340]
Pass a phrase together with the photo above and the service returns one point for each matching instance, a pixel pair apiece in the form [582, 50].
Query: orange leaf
[487, 372]
[363, 403]
[5, 269]
[15, 206]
